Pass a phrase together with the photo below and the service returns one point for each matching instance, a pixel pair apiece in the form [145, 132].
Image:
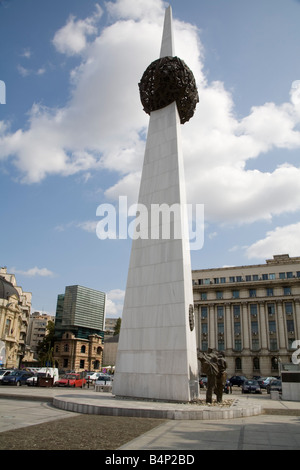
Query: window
[289, 275]
[221, 328]
[238, 364]
[256, 365]
[83, 348]
[272, 276]
[290, 326]
[223, 280]
[237, 328]
[270, 292]
[255, 344]
[288, 308]
[239, 279]
[255, 277]
[273, 344]
[203, 295]
[253, 310]
[236, 294]
[271, 309]
[216, 280]
[7, 327]
[231, 279]
[81, 363]
[248, 278]
[204, 345]
[220, 311]
[281, 275]
[237, 345]
[66, 348]
[298, 273]
[221, 345]
[252, 292]
[272, 326]
[219, 295]
[203, 312]
[206, 281]
[254, 327]
[236, 311]
[265, 277]
[287, 291]
[99, 349]
[274, 363]
[204, 328]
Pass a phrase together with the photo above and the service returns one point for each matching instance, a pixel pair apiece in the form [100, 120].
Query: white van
[50, 372]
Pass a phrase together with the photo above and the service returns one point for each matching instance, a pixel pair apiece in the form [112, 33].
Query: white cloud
[114, 303]
[103, 125]
[32, 272]
[281, 240]
[71, 39]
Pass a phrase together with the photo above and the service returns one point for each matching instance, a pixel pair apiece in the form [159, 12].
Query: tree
[117, 327]
[45, 347]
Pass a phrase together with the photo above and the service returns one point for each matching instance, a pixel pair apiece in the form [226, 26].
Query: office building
[252, 313]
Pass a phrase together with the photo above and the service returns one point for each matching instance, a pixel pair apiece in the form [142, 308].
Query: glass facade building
[80, 310]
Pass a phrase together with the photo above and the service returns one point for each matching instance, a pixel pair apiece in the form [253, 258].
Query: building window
[271, 309]
[254, 327]
[239, 279]
[265, 277]
[255, 277]
[256, 365]
[66, 348]
[236, 294]
[223, 280]
[203, 295]
[221, 345]
[274, 364]
[219, 295]
[252, 292]
[238, 363]
[83, 349]
[270, 292]
[204, 328]
[236, 311]
[81, 364]
[216, 280]
[272, 327]
[288, 308]
[255, 344]
[248, 278]
[220, 311]
[99, 349]
[281, 275]
[290, 326]
[203, 312]
[7, 327]
[273, 344]
[289, 275]
[287, 291]
[65, 363]
[237, 345]
[221, 328]
[206, 281]
[204, 345]
[290, 343]
[231, 279]
[237, 328]
[253, 310]
[298, 273]
[272, 276]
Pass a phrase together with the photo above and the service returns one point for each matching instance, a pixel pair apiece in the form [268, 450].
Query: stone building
[15, 308]
[252, 313]
[79, 329]
[78, 354]
[37, 329]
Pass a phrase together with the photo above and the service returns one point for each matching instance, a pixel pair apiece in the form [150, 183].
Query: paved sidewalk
[277, 428]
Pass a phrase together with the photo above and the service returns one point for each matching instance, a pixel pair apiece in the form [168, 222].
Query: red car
[70, 380]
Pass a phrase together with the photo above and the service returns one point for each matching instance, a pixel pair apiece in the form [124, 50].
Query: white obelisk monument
[157, 354]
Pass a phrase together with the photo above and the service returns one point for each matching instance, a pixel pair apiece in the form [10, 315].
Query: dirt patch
[84, 432]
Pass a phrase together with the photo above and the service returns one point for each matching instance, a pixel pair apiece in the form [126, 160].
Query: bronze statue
[214, 365]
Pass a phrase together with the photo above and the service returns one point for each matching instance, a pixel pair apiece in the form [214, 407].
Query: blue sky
[72, 133]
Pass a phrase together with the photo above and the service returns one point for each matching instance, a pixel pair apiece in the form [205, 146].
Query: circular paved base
[107, 404]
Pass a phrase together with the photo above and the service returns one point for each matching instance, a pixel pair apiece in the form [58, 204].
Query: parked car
[264, 381]
[3, 373]
[237, 380]
[92, 376]
[71, 380]
[104, 380]
[203, 382]
[251, 386]
[274, 385]
[16, 377]
[227, 387]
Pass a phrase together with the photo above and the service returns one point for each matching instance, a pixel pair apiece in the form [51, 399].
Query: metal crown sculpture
[166, 80]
